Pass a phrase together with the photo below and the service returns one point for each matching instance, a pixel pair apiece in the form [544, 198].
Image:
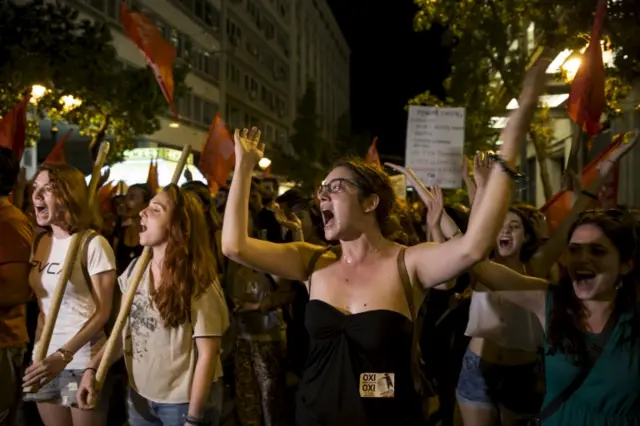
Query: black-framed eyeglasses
[334, 186]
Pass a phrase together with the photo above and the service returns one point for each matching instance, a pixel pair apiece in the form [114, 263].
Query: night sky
[390, 63]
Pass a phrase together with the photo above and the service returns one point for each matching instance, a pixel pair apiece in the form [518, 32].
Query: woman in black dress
[360, 317]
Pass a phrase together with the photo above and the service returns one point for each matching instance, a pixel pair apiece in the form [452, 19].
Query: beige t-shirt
[161, 361]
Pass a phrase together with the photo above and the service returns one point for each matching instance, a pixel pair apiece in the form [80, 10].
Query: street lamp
[37, 92]
[264, 163]
[571, 67]
[69, 102]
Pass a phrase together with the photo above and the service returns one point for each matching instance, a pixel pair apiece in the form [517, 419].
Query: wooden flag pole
[134, 281]
[65, 274]
[96, 172]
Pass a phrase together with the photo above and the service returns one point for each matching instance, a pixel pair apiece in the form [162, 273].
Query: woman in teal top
[602, 284]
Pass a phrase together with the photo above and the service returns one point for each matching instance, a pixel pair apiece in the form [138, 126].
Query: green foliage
[46, 44]
[488, 68]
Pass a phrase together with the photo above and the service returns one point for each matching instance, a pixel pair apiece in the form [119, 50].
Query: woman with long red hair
[172, 338]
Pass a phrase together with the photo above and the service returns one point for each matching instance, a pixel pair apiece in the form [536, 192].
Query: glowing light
[69, 102]
[552, 101]
[37, 92]
[264, 163]
[174, 125]
[571, 67]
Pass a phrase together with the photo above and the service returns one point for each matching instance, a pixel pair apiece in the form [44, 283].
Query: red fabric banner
[218, 154]
[13, 127]
[159, 53]
[586, 97]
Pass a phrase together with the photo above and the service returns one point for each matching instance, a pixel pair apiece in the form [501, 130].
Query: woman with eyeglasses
[591, 321]
[364, 293]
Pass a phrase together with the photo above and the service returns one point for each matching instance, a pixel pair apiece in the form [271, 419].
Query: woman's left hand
[41, 373]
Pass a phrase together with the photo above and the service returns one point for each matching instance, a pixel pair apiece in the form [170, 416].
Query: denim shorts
[62, 390]
[143, 412]
[511, 387]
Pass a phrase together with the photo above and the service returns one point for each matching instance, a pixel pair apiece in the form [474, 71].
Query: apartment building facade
[273, 48]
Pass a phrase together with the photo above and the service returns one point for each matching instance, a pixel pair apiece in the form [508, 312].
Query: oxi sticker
[377, 385]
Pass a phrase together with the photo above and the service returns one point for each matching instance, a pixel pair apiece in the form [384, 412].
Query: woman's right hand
[247, 146]
[86, 393]
[482, 165]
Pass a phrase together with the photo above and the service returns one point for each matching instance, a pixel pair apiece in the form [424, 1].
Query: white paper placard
[399, 184]
[435, 144]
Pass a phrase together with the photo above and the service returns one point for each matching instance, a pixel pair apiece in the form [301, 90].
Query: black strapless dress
[341, 348]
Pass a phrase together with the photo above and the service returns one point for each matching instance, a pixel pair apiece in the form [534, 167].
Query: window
[197, 110]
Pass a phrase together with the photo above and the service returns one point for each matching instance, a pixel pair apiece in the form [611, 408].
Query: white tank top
[493, 317]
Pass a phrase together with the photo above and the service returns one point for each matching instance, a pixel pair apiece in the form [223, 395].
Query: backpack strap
[312, 263]
[87, 237]
[416, 355]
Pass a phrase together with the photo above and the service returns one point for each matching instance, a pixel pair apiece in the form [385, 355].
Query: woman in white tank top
[499, 373]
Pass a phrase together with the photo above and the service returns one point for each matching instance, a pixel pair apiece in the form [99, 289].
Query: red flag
[56, 156]
[105, 196]
[213, 187]
[159, 53]
[586, 97]
[218, 156]
[13, 127]
[372, 155]
[559, 206]
[152, 177]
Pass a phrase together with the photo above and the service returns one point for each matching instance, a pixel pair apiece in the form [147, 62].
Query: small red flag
[586, 97]
[57, 156]
[159, 53]
[105, 196]
[372, 155]
[13, 128]
[218, 154]
[152, 177]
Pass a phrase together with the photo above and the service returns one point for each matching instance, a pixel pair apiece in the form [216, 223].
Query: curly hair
[370, 180]
[189, 265]
[565, 333]
[72, 196]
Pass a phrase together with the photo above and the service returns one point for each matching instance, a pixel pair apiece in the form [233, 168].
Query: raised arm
[288, 260]
[435, 264]
[527, 292]
[546, 256]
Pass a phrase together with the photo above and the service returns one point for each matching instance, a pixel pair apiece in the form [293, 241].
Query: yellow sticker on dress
[377, 385]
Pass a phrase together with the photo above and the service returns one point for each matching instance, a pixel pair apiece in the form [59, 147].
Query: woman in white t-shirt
[60, 200]
[178, 316]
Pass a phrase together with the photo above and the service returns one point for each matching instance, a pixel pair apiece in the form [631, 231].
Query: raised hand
[435, 208]
[290, 223]
[482, 165]
[247, 145]
[465, 167]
